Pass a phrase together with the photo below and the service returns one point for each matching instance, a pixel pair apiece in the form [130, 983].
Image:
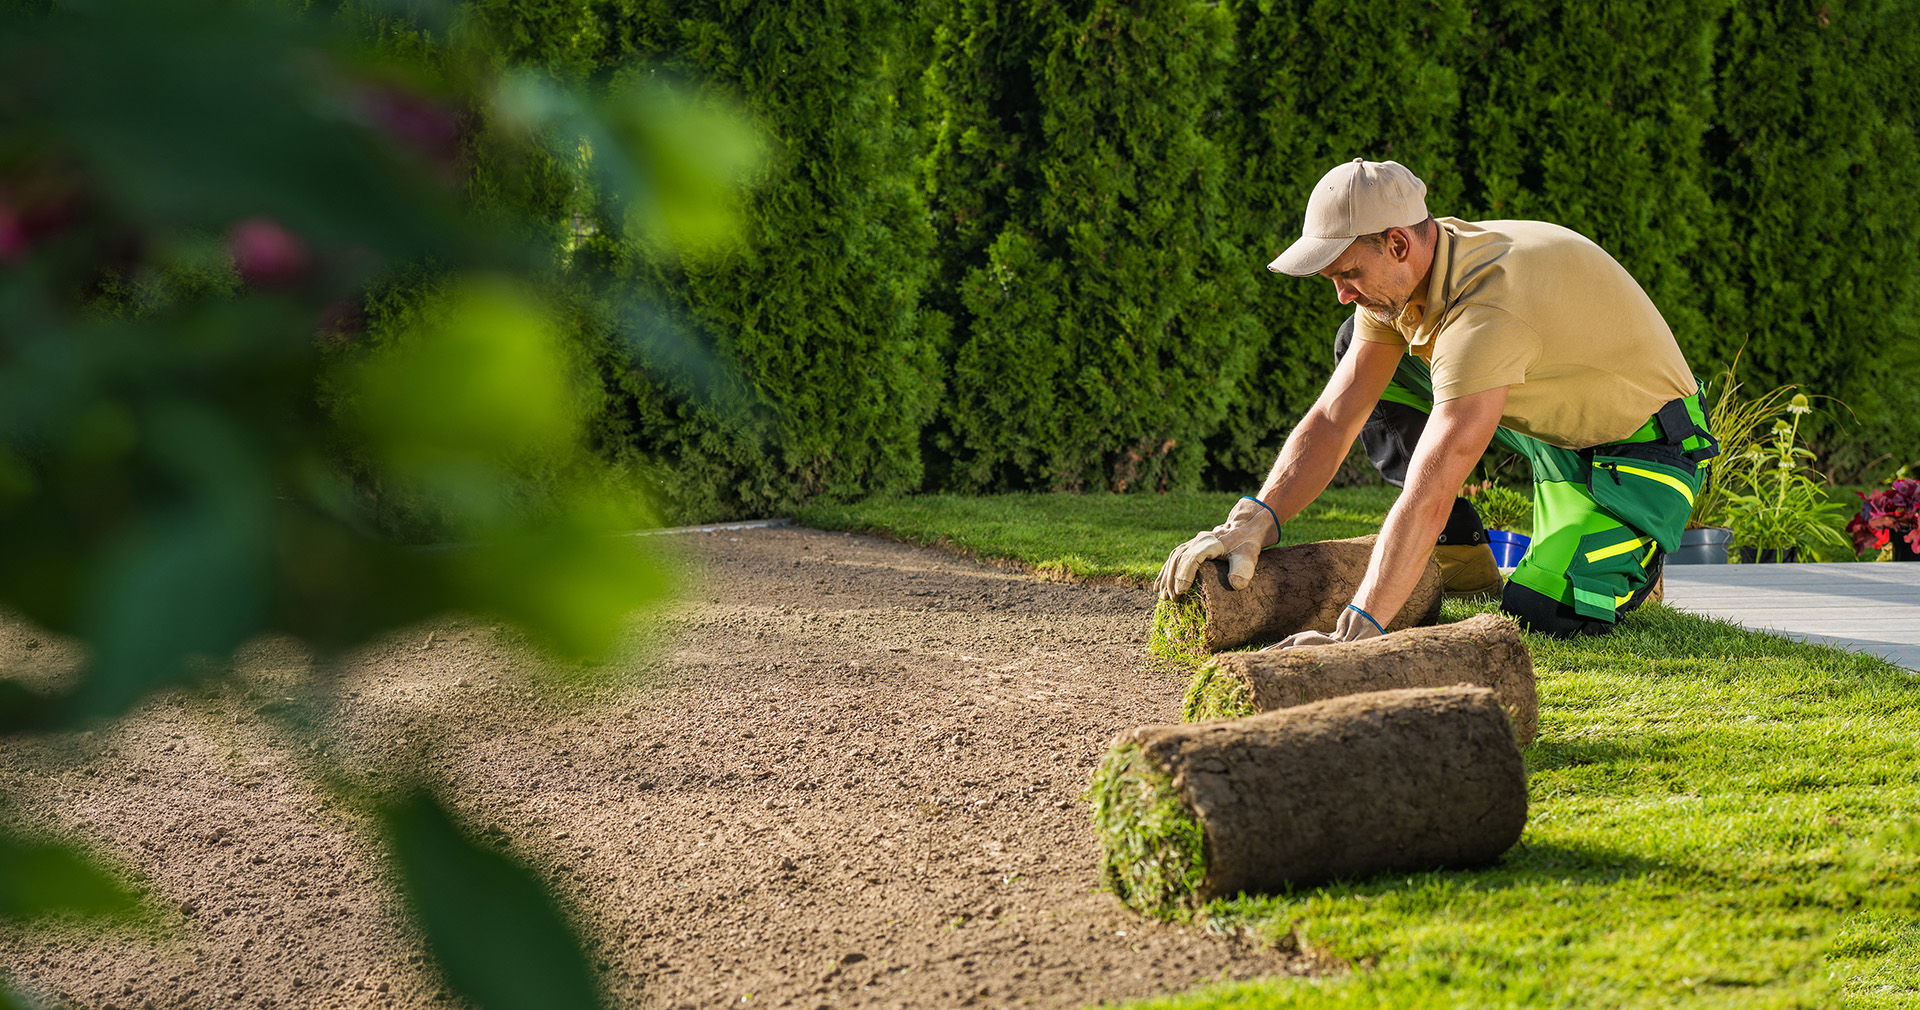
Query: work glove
[1351, 627]
[1249, 527]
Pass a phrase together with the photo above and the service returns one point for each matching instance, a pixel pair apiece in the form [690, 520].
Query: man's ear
[1400, 244]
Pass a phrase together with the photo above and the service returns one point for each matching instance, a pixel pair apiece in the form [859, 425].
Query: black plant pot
[1901, 552]
[1704, 546]
[1750, 556]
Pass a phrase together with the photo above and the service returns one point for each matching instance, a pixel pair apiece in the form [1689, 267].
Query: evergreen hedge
[1592, 116]
[800, 361]
[1315, 84]
[1018, 244]
[1812, 161]
[1101, 329]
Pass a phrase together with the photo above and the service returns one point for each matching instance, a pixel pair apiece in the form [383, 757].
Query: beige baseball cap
[1358, 198]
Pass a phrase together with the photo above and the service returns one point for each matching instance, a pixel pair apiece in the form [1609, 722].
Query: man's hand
[1248, 528]
[1351, 627]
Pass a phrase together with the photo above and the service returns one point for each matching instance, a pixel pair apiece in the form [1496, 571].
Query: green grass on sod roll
[1212, 696]
[1155, 848]
[1719, 817]
[1177, 636]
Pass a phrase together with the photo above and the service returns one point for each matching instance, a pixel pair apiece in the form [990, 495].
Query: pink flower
[266, 254]
[13, 236]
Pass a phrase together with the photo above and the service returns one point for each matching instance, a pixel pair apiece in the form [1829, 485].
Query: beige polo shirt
[1546, 312]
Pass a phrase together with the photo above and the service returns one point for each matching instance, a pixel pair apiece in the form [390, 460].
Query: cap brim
[1309, 256]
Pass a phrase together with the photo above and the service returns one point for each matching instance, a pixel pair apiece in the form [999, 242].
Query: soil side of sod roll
[1299, 587]
[1390, 781]
[1485, 650]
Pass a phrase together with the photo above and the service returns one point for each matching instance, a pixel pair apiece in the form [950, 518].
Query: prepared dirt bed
[839, 772]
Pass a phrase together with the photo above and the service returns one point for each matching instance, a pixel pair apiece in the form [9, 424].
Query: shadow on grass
[1528, 866]
[1657, 632]
[1530, 863]
[1545, 755]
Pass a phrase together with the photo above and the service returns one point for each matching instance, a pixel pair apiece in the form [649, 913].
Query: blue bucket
[1508, 548]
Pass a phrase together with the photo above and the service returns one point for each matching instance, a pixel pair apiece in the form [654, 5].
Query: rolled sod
[1485, 650]
[1389, 781]
[1299, 587]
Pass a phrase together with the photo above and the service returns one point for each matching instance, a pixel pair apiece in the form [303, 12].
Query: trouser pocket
[1650, 487]
[1607, 569]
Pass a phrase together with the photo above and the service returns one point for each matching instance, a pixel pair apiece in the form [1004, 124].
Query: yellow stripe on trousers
[1672, 482]
[1617, 549]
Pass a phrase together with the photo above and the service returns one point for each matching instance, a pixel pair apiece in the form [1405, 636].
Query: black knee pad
[1545, 615]
[1463, 526]
[1389, 437]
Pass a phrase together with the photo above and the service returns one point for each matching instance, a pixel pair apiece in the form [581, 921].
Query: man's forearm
[1404, 549]
[1455, 437]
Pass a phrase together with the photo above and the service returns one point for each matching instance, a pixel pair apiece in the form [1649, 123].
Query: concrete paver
[1871, 607]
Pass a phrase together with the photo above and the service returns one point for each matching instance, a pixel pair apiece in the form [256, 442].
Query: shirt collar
[1420, 324]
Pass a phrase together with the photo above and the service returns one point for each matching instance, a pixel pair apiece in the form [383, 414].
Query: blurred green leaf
[494, 930]
[479, 380]
[672, 164]
[679, 163]
[44, 878]
[570, 582]
[193, 579]
[22, 707]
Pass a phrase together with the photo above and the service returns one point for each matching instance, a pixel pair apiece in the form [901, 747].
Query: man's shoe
[1468, 572]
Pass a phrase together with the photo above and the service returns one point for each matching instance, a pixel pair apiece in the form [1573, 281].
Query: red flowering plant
[1894, 510]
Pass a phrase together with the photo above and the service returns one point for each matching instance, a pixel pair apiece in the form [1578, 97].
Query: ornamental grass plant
[1500, 507]
[1777, 500]
[1734, 419]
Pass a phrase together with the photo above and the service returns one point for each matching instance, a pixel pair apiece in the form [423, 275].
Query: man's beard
[1387, 313]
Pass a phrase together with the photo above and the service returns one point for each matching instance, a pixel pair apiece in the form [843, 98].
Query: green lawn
[1104, 536]
[1719, 817]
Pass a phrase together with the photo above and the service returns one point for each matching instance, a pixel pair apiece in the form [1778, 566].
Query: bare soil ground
[839, 772]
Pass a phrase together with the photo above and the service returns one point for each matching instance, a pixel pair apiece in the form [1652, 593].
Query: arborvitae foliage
[1100, 338]
[1591, 115]
[818, 365]
[1316, 83]
[1814, 163]
[1105, 182]
[983, 130]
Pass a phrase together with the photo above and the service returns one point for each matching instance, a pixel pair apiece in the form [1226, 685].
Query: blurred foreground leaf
[489, 922]
[200, 443]
[480, 376]
[277, 280]
[46, 878]
[670, 165]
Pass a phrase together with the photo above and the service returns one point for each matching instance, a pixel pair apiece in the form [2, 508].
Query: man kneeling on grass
[1522, 333]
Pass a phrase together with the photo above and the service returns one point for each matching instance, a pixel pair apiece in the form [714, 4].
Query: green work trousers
[1603, 517]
